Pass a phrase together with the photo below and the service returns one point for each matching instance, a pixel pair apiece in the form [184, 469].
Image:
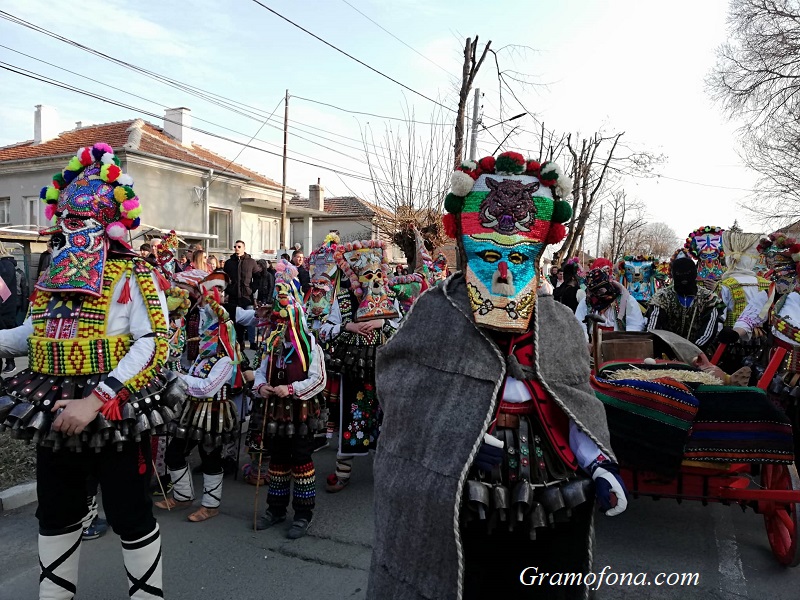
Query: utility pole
[599, 229]
[284, 228]
[473, 145]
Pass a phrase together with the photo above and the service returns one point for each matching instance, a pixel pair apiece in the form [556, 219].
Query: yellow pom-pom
[51, 193]
[132, 214]
[74, 164]
[119, 194]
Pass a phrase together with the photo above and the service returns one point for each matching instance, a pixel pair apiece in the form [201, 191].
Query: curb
[17, 496]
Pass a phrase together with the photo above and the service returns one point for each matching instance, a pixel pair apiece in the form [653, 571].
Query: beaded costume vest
[69, 330]
[739, 299]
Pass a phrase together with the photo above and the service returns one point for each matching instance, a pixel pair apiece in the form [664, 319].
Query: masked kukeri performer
[95, 339]
[705, 245]
[290, 379]
[609, 299]
[362, 318]
[684, 308]
[324, 275]
[500, 482]
[209, 417]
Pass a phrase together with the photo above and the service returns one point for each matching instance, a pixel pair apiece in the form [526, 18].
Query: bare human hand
[78, 413]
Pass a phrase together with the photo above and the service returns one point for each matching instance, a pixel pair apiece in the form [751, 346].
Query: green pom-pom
[506, 164]
[454, 204]
[562, 211]
[59, 179]
[116, 160]
[51, 193]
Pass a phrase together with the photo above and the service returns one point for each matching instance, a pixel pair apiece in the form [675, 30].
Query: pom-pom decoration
[556, 233]
[486, 164]
[510, 162]
[85, 157]
[453, 204]
[562, 211]
[51, 195]
[449, 225]
[461, 183]
[49, 211]
[125, 179]
[116, 231]
[109, 173]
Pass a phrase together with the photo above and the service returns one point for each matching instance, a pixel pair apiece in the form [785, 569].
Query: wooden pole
[284, 232]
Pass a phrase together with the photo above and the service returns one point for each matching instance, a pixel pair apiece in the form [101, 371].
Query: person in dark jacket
[567, 292]
[240, 267]
[264, 283]
[302, 272]
[45, 258]
[8, 309]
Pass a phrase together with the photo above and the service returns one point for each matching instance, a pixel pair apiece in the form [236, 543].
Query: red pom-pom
[547, 182]
[556, 233]
[85, 156]
[532, 167]
[486, 164]
[794, 249]
[449, 224]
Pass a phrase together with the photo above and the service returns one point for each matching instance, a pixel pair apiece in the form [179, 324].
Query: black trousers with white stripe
[124, 477]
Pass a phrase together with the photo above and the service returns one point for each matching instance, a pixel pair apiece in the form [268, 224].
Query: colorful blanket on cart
[736, 424]
[649, 421]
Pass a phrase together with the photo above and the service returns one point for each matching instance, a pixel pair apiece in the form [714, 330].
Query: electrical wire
[350, 56]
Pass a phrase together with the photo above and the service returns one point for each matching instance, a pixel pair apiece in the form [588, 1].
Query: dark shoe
[268, 520]
[299, 529]
[95, 530]
[10, 366]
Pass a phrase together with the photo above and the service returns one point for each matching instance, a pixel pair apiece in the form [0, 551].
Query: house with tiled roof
[350, 217]
[205, 197]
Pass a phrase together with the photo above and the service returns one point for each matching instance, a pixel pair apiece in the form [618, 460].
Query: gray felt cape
[438, 381]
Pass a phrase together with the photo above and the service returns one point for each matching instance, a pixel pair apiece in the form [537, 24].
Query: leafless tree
[655, 239]
[410, 169]
[757, 80]
[468, 72]
[627, 222]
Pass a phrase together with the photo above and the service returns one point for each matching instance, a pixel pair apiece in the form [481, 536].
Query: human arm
[14, 342]
[609, 487]
[208, 387]
[711, 327]
[580, 314]
[750, 318]
[634, 319]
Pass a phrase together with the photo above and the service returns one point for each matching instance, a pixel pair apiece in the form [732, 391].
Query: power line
[350, 56]
[374, 22]
[31, 75]
[369, 114]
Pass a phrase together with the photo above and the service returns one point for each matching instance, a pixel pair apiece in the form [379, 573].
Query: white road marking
[732, 583]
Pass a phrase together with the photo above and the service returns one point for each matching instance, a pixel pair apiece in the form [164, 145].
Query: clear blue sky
[624, 65]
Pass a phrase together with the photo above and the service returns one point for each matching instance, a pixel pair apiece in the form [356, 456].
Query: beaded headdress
[705, 246]
[324, 276]
[364, 263]
[502, 213]
[88, 203]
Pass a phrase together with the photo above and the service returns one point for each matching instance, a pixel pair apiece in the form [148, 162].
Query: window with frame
[268, 230]
[5, 211]
[219, 224]
[34, 211]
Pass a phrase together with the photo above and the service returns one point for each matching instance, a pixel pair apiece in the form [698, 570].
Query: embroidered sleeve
[749, 319]
[582, 446]
[261, 373]
[316, 378]
[207, 387]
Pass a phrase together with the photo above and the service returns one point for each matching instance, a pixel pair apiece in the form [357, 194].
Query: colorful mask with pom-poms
[503, 212]
[637, 274]
[88, 203]
[782, 255]
[365, 265]
[705, 246]
[324, 276]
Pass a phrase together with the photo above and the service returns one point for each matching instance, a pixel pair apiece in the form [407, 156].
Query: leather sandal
[203, 514]
[334, 484]
[170, 503]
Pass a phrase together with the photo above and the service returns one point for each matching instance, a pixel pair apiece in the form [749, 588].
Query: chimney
[177, 124]
[45, 124]
[316, 196]
[78, 124]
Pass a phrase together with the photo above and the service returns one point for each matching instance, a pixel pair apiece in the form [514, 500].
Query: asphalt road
[225, 559]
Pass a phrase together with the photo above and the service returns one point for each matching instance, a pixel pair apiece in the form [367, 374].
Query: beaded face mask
[324, 282]
[638, 277]
[705, 245]
[504, 212]
[365, 265]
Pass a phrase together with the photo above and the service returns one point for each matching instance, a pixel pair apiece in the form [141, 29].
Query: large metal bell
[20, 412]
[500, 501]
[576, 492]
[197, 434]
[290, 429]
[551, 499]
[142, 424]
[180, 432]
[478, 498]
[156, 422]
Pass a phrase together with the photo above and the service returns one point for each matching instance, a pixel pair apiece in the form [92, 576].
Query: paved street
[224, 559]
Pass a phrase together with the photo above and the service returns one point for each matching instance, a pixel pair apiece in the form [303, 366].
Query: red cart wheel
[781, 520]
